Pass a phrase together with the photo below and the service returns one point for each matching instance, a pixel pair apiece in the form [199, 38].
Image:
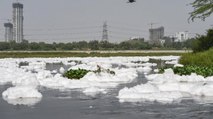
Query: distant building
[136, 38]
[181, 36]
[167, 41]
[18, 19]
[155, 35]
[8, 32]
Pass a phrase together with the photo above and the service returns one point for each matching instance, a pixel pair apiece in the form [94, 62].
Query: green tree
[105, 45]
[82, 45]
[24, 45]
[94, 45]
[125, 46]
[202, 9]
[188, 43]
[34, 46]
[60, 46]
[67, 46]
[204, 42]
[4, 46]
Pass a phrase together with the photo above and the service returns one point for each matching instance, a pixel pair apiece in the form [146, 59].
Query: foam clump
[35, 66]
[22, 95]
[145, 69]
[120, 76]
[28, 79]
[62, 70]
[148, 92]
[91, 79]
[21, 92]
[168, 87]
[10, 74]
[93, 91]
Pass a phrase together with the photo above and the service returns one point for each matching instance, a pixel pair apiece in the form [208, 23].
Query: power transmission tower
[105, 32]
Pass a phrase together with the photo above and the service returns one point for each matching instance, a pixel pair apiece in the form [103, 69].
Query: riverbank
[48, 54]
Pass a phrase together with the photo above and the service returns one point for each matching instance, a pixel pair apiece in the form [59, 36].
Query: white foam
[43, 74]
[103, 79]
[28, 79]
[172, 62]
[149, 64]
[168, 87]
[10, 74]
[20, 92]
[145, 69]
[62, 70]
[163, 97]
[93, 91]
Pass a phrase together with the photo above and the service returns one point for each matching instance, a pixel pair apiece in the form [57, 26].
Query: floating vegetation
[188, 69]
[80, 73]
[76, 73]
[23, 64]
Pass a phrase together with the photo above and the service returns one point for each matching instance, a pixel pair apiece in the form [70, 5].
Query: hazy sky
[74, 20]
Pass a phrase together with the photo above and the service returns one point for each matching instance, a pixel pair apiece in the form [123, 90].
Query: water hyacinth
[80, 73]
[76, 74]
[188, 69]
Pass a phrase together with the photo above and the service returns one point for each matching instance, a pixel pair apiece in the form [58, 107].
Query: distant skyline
[75, 20]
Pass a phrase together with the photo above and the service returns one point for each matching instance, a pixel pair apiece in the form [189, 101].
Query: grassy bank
[200, 63]
[83, 54]
[198, 59]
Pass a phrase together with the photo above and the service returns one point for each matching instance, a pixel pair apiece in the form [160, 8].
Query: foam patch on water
[168, 87]
[149, 92]
[102, 80]
[21, 92]
[146, 69]
[93, 91]
[22, 95]
[28, 77]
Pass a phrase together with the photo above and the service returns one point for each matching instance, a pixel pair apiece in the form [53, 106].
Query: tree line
[134, 44]
[81, 45]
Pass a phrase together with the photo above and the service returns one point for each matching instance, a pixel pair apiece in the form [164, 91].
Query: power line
[57, 34]
[124, 33]
[68, 38]
[119, 37]
[62, 28]
[128, 28]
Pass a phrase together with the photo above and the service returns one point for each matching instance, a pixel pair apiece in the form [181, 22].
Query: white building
[181, 36]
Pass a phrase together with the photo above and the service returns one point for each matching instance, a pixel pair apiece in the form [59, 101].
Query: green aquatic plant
[80, 73]
[188, 69]
[76, 73]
